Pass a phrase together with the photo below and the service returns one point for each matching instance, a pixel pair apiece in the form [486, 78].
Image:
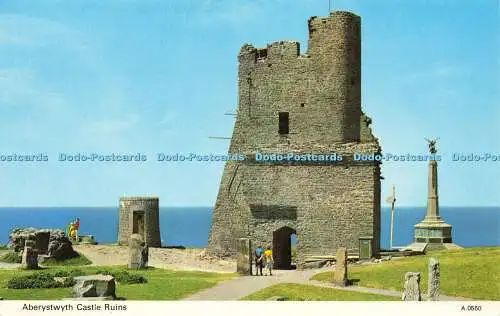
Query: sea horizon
[205, 206]
[472, 225]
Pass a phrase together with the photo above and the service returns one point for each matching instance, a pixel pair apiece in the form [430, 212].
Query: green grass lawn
[162, 284]
[300, 292]
[470, 272]
[10, 257]
[14, 257]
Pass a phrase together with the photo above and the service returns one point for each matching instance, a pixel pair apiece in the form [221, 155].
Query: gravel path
[240, 287]
[4, 265]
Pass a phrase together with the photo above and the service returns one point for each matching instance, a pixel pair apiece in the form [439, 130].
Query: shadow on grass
[353, 282]
[39, 268]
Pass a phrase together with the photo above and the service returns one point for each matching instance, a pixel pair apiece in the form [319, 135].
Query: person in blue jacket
[259, 260]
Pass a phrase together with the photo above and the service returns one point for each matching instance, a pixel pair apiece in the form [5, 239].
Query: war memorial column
[432, 229]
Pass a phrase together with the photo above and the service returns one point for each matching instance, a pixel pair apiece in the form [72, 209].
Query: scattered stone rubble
[412, 287]
[205, 256]
[316, 264]
[52, 243]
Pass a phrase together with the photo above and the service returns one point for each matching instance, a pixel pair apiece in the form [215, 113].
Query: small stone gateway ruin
[301, 105]
[18, 237]
[139, 215]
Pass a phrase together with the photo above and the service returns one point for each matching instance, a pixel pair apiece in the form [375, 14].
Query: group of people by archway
[263, 258]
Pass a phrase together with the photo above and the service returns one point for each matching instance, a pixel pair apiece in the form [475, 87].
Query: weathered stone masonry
[319, 97]
[139, 215]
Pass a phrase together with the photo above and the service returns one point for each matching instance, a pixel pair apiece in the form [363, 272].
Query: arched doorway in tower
[282, 248]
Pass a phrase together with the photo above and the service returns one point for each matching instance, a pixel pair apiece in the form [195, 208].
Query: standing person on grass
[259, 260]
[268, 256]
[77, 227]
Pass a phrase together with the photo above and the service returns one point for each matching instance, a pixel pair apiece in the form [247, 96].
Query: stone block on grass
[412, 287]
[244, 257]
[29, 256]
[138, 252]
[340, 272]
[433, 280]
[98, 285]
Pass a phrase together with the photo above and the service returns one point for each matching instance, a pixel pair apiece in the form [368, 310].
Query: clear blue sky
[156, 76]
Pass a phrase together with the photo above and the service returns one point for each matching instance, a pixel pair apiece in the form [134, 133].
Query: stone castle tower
[292, 103]
[139, 215]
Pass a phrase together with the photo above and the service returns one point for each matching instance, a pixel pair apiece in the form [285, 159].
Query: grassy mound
[471, 272]
[300, 292]
[78, 260]
[11, 257]
[124, 277]
[69, 273]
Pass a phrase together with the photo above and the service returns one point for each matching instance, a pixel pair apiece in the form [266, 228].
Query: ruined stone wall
[321, 90]
[150, 207]
[328, 205]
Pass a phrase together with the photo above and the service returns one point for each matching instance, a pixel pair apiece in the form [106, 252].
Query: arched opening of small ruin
[138, 223]
[282, 248]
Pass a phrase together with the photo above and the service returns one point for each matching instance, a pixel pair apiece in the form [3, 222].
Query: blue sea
[189, 226]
